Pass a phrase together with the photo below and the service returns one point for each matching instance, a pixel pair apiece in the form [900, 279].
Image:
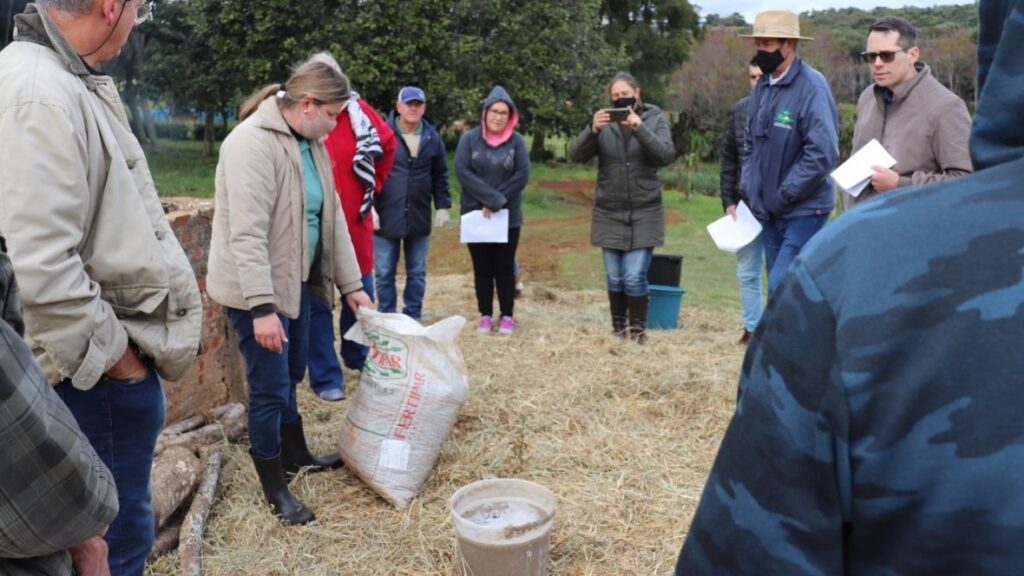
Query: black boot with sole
[637, 306]
[617, 303]
[285, 506]
[295, 453]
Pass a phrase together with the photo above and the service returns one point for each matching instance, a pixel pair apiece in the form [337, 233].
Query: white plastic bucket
[504, 527]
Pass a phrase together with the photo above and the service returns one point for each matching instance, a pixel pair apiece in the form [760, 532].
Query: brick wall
[218, 376]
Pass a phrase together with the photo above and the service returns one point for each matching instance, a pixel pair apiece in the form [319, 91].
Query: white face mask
[316, 128]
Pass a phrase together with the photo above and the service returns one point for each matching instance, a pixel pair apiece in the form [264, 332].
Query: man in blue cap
[419, 177]
[879, 429]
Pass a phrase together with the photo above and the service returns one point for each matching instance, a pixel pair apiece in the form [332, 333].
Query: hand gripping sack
[409, 395]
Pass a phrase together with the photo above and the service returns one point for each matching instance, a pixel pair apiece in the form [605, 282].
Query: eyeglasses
[887, 56]
[144, 12]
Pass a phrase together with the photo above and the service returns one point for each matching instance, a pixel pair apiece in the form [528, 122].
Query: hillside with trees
[200, 58]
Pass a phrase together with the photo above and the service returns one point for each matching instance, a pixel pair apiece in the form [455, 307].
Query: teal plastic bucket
[663, 311]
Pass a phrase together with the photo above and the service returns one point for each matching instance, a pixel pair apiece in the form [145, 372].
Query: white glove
[441, 218]
[376, 218]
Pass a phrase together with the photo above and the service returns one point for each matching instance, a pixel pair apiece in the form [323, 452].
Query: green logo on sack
[784, 118]
[388, 357]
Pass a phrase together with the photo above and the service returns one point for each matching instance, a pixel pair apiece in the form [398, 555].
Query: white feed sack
[408, 399]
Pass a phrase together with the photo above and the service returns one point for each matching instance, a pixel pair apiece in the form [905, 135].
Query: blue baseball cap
[411, 94]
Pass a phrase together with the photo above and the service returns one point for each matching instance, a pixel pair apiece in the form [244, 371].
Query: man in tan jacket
[111, 302]
[919, 121]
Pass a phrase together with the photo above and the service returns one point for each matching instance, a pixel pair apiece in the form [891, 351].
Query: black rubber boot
[637, 306]
[617, 304]
[283, 504]
[295, 454]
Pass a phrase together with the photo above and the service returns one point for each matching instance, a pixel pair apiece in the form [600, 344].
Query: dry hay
[624, 434]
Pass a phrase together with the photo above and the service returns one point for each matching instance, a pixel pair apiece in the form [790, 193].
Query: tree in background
[128, 67]
[705, 88]
[383, 46]
[548, 54]
[735, 20]
[656, 36]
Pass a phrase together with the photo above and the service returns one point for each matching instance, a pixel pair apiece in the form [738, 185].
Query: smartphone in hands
[617, 114]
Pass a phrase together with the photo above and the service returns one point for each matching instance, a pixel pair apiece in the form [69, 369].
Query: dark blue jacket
[404, 202]
[493, 176]
[792, 143]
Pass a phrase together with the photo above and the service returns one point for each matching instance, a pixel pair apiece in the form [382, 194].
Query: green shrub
[173, 130]
[199, 129]
[692, 177]
[847, 121]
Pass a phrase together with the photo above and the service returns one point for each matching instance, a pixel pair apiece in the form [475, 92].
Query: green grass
[180, 169]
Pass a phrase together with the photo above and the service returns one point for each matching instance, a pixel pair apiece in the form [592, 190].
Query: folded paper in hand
[476, 228]
[855, 174]
[731, 235]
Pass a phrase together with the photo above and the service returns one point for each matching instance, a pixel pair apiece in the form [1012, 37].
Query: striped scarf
[368, 151]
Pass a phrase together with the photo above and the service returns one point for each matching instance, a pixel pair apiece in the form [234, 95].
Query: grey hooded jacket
[493, 176]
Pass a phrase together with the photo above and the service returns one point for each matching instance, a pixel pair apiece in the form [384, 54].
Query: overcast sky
[749, 8]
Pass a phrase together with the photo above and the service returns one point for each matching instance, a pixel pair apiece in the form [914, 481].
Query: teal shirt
[314, 197]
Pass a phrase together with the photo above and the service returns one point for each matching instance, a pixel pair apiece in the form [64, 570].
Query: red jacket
[341, 145]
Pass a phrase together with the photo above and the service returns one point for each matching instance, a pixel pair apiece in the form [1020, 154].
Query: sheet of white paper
[854, 174]
[731, 235]
[476, 228]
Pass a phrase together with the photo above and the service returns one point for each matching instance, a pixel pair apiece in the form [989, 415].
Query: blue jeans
[324, 369]
[783, 239]
[749, 261]
[626, 270]
[272, 377]
[385, 255]
[122, 421]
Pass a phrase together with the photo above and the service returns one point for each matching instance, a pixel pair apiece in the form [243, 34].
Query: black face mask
[769, 61]
[624, 102]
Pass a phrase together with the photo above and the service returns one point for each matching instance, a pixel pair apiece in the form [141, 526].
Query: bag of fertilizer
[409, 395]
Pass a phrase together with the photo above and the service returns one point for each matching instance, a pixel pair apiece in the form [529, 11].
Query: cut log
[190, 552]
[186, 425]
[223, 409]
[193, 440]
[233, 418]
[166, 540]
[175, 476]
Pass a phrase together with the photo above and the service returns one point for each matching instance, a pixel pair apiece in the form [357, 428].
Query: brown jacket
[259, 252]
[925, 130]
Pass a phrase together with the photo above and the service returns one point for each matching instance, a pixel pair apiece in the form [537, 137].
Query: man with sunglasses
[918, 120]
[111, 302]
[791, 143]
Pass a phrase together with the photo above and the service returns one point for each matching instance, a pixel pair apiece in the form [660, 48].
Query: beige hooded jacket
[95, 256]
[259, 252]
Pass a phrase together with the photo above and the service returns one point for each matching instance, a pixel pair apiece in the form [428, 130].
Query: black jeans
[494, 266]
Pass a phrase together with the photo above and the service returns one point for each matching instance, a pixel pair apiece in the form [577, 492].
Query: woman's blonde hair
[315, 78]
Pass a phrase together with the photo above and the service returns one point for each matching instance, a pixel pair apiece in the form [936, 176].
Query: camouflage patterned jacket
[879, 428]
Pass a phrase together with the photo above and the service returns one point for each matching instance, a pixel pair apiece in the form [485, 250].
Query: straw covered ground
[623, 434]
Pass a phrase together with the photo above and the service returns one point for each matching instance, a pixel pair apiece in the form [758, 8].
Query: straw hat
[776, 24]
